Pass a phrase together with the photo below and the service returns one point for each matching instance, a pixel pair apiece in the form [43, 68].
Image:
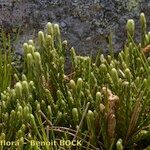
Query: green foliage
[5, 61]
[104, 103]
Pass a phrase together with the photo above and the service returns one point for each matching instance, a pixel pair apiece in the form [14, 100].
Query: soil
[85, 24]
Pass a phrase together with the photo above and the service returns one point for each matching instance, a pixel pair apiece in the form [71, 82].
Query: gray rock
[84, 23]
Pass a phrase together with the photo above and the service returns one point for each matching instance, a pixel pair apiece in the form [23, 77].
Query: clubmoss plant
[105, 103]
